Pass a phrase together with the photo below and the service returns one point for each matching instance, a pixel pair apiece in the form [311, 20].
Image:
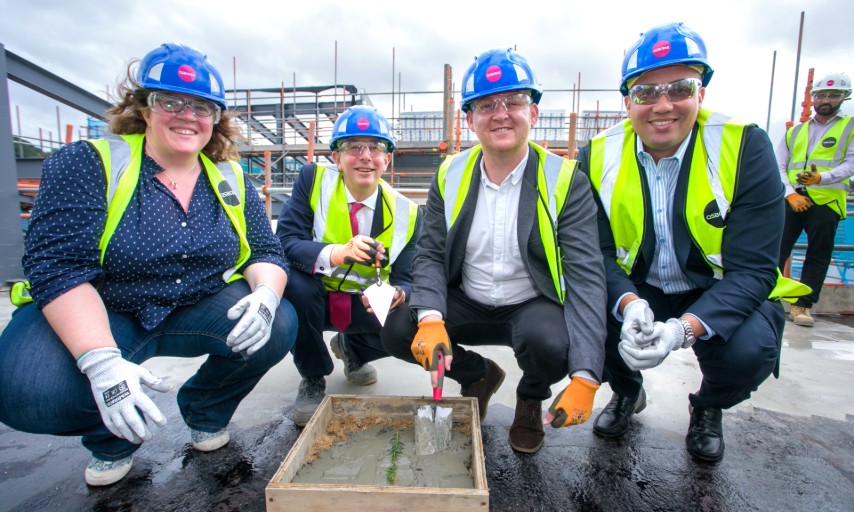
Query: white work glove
[116, 387]
[253, 330]
[666, 337]
[637, 323]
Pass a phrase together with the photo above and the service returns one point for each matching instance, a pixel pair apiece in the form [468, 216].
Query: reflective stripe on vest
[825, 158]
[122, 158]
[331, 225]
[616, 176]
[554, 177]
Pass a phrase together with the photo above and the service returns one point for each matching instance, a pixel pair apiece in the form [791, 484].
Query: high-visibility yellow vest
[328, 201]
[616, 176]
[122, 159]
[554, 180]
[827, 154]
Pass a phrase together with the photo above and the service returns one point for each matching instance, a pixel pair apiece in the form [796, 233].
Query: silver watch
[689, 333]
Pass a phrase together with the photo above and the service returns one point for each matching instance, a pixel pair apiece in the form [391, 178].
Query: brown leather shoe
[485, 387]
[526, 432]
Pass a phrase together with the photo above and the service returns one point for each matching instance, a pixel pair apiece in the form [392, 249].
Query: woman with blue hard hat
[145, 243]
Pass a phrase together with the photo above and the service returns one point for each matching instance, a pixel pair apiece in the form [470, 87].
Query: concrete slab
[791, 447]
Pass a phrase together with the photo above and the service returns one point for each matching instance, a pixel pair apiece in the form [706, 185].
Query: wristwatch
[689, 333]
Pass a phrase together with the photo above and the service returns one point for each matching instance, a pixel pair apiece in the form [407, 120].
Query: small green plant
[394, 452]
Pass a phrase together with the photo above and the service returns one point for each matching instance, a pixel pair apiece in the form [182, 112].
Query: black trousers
[732, 369]
[534, 329]
[819, 222]
[310, 300]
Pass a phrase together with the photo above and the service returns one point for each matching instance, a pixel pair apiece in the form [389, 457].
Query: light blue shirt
[665, 272]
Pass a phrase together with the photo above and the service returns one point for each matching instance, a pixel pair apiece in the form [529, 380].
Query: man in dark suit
[690, 219]
[340, 222]
[509, 256]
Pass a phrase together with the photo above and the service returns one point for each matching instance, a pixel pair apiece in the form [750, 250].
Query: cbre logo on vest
[228, 196]
[712, 214]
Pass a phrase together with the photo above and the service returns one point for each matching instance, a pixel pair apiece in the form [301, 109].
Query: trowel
[380, 296]
[433, 423]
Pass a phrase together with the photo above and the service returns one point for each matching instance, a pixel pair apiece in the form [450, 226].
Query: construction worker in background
[145, 244]
[816, 159]
[341, 221]
[668, 180]
[508, 256]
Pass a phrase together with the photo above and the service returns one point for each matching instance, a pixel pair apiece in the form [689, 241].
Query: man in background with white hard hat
[816, 159]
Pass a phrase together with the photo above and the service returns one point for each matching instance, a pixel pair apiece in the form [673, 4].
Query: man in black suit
[341, 221]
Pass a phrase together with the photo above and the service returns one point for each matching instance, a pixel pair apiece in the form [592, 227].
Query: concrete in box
[283, 495]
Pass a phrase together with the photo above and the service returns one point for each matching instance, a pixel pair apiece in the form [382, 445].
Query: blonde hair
[126, 117]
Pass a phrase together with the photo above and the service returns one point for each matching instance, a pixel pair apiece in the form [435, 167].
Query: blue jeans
[43, 392]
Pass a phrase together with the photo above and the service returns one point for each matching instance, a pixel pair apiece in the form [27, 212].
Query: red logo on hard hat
[363, 124]
[661, 49]
[830, 82]
[493, 73]
[186, 73]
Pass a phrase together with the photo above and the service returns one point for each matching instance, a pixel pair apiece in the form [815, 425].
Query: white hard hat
[833, 82]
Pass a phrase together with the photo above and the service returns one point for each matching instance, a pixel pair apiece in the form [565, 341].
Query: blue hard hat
[361, 121]
[665, 45]
[178, 68]
[495, 71]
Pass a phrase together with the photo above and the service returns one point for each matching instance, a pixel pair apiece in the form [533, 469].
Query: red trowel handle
[437, 391]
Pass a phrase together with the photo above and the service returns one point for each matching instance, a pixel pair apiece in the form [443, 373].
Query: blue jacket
[751, 243]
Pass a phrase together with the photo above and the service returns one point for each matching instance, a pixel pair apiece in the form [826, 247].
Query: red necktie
[339, 302]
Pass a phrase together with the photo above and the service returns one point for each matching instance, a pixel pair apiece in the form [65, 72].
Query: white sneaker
[209, 441]
[106, 472]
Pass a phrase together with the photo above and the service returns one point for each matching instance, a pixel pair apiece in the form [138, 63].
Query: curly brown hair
[125, 118]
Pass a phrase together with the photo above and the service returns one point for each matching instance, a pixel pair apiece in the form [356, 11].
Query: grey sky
[91, 43]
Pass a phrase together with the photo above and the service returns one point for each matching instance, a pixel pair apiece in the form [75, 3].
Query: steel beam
[39, 79]
[11, 237]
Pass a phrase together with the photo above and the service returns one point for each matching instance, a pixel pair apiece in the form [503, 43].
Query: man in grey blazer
[508, 256]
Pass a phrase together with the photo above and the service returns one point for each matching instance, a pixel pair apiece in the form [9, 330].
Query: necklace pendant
[174, 184]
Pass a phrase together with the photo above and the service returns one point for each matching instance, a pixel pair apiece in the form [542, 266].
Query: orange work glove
[431, 337]
[574, 404]
[799, 203]
[811, 177]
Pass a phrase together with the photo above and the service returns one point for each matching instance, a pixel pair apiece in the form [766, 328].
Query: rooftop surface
[790, 447]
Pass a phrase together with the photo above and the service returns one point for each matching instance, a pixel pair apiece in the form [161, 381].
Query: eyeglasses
[678, 90]
[356, 148]
[512, 103]
[828, 95]
[201, 109]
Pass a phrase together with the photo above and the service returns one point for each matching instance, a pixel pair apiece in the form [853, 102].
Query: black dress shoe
[705, 439]
[613, 421]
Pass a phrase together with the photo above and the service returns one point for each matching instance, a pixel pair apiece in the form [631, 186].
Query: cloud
[272, 44]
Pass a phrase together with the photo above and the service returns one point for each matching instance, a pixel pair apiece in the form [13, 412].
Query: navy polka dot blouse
[160, 257]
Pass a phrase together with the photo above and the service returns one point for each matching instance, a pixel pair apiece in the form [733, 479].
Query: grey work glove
[637, 323]
[256, 312]
[116, 387]
[666, 337]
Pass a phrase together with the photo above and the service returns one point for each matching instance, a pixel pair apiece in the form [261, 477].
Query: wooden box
[282, 495]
